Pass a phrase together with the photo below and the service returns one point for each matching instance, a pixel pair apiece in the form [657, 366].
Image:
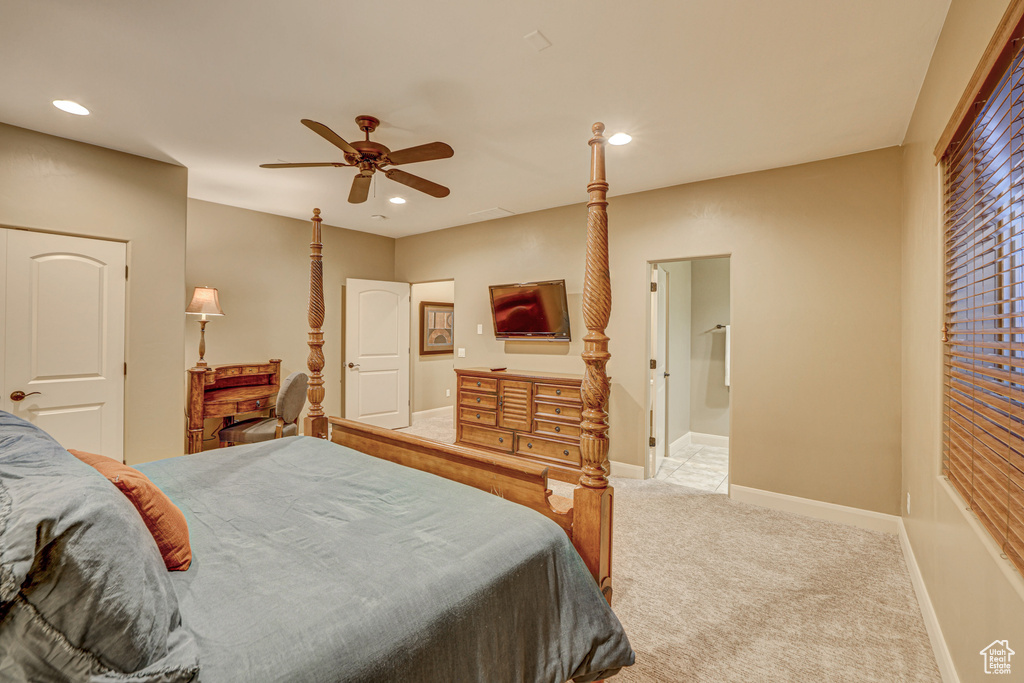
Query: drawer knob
[558, 392]
[257, 403]
[501, 439]
[558, 411]
[478, 399]
[558, 429]
[565, 452]
[478, 416]
[478, 383]
[529, 445]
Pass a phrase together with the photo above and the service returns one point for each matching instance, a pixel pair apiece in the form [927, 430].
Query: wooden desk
[225, 391]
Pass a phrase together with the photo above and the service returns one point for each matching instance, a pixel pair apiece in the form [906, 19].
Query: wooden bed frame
[587, 518]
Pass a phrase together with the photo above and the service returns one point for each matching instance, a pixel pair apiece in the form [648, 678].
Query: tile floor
[699, 467]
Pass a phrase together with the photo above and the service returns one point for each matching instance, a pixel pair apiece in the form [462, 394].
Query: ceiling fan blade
[427, 152]
[308, 165]
[417, 183]
[329, 135]
[360, 189]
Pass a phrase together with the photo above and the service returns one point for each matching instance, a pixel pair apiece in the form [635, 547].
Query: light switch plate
[479, 328]
[462, 352]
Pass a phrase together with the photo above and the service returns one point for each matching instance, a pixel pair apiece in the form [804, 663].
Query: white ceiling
[707, 88]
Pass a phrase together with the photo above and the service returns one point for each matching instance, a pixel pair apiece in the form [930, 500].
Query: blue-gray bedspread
[314, 562]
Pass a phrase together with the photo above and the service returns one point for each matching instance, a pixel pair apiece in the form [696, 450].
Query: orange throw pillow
[162, 517]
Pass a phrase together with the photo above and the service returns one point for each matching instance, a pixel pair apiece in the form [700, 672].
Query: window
[983, 441]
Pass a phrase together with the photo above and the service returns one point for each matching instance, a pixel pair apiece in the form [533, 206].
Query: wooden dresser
[533, 415]
[225, 391]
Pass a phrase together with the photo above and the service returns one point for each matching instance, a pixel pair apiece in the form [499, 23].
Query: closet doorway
[432, 354]
[689, 357]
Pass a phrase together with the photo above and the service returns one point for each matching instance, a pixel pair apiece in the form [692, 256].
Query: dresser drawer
[483, 417]
[488, 438]
[527, 444]
[478, 383]
[472, 399]
[559, 430]
[257, 369]
[557, 392]
[569, 411]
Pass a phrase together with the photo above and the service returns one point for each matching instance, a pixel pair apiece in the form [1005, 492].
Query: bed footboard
[512, 479]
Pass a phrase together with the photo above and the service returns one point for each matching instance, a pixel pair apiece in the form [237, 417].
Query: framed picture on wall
[437, 328]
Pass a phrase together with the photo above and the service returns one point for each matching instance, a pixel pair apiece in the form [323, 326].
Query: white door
[377, 352]
[64, 337]
[661, 372]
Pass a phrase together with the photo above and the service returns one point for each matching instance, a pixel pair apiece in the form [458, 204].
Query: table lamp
[204, 303]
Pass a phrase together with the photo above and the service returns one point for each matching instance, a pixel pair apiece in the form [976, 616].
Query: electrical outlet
[908, 502]
[479, 328]
[462, 352]
[447, 393]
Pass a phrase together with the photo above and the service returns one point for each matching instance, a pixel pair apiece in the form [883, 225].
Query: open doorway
[432, 360]
[689, 360]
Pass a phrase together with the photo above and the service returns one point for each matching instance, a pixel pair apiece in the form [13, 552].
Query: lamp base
[202, 343]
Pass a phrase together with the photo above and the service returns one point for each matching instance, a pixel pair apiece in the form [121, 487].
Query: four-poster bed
[587, 518]
[319, 561]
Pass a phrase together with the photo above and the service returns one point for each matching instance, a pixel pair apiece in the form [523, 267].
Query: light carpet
[709, 589]
[433, 428]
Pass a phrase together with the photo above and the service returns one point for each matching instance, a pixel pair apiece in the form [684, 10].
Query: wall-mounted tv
[530, 310]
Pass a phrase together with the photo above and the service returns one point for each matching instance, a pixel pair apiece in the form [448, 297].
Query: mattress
[315, 562]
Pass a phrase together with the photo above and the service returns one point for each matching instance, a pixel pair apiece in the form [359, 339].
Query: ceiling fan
[370, 157]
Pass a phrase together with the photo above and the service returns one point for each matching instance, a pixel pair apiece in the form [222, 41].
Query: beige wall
[977, 595]
[709, 397]
[816, 353]
[260, 264]
[678, 304]
[57, 185]
[431, 375]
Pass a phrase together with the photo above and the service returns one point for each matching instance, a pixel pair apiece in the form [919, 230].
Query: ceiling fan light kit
[369, 157]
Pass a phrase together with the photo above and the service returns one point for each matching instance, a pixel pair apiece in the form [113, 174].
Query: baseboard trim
[943, 658]
[679, 444]
[699, 439]
[443, 411]
[865, 519]
[626, 471]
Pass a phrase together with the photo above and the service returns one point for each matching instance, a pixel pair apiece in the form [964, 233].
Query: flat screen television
[530, 310]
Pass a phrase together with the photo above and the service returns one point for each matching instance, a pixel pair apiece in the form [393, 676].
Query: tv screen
[530, 310]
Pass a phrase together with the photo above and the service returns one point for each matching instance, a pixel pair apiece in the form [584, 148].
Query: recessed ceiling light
[71, 107]
[619, 139]
[397, 200]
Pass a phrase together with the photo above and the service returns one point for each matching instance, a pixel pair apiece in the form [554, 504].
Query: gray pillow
[84, 594]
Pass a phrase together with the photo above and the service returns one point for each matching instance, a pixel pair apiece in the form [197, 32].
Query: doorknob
[21, 395]
[666, 374]
[353, 365]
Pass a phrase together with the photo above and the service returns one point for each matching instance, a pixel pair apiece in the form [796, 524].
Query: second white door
[377, 352]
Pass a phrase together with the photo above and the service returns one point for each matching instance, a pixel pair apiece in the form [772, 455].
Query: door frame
[649, 407]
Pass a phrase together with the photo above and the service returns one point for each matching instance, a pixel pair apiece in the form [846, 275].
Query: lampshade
[204, 302]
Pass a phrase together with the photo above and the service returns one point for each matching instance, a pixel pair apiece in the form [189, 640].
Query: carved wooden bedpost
[593, 498]
[316, 422]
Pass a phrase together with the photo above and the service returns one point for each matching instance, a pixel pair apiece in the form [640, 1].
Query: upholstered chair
[291, 399]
